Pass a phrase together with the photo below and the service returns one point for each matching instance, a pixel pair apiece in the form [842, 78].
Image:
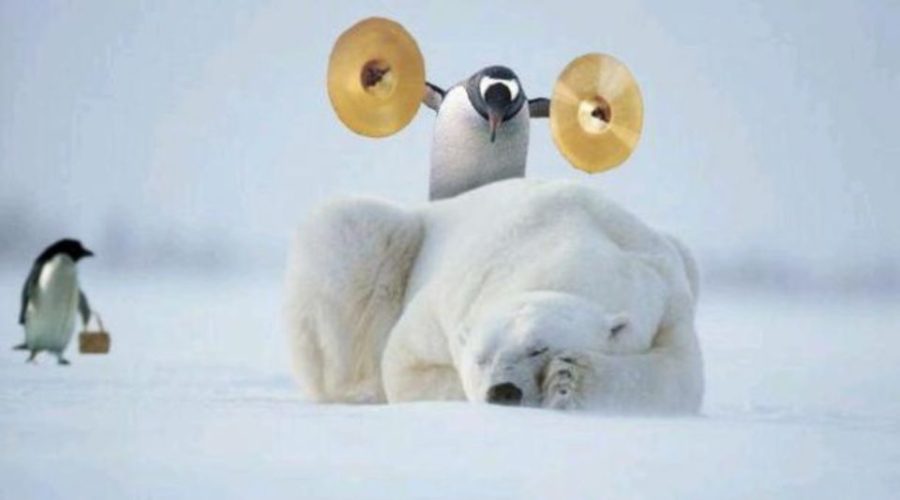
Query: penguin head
[497, 95]
[73, 248]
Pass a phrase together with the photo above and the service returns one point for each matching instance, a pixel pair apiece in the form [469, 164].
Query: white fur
[346, 282]
[446, 300]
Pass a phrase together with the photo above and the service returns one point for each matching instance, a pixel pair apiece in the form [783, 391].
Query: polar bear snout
[506, 393]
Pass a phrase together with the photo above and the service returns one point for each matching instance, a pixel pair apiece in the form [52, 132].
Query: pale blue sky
[769, 125]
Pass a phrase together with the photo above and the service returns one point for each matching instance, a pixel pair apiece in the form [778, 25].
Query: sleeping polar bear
[519, 292]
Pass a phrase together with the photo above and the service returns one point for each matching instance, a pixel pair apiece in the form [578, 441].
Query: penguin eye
[511, 85]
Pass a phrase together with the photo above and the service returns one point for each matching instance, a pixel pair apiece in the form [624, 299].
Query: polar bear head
[503, 355]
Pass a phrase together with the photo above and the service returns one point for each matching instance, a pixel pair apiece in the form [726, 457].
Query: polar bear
[524, 292]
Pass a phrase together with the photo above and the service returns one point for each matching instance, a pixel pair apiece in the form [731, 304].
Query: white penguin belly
[462, 154]
[50, 317]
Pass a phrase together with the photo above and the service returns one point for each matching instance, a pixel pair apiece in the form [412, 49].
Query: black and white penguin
[50, 298]
[481, 132]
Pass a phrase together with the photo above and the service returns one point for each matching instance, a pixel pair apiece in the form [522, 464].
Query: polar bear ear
[617, 323]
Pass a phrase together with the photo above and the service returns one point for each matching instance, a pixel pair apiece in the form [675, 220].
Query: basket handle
[96, 315]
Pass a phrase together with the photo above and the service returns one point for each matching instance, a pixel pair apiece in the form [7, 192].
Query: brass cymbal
[596, 113]
[376, 77]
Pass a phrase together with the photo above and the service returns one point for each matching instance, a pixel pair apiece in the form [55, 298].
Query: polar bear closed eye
[504, 358]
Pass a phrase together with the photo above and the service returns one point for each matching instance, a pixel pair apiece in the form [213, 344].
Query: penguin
[50, 299]
[481, 131]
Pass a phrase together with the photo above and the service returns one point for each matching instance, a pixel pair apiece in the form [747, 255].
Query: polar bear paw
[562, 382]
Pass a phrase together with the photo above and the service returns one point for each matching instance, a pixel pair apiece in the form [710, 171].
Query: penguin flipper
[21, 347]
[84, 308]
[539, 108]
[28, 288]
[434, 96]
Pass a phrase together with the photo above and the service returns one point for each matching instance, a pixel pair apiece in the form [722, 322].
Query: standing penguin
[481, 132]
[50, 298]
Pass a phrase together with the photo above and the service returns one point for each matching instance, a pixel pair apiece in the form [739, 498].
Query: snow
[196, 400]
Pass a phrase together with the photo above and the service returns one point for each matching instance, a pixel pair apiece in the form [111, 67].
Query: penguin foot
[63, 361]
[21, 347]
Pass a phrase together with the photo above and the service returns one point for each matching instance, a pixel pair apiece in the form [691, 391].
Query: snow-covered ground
[196, 400]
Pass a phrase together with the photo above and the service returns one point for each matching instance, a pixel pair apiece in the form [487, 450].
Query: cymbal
[376, 77]
[596, 113]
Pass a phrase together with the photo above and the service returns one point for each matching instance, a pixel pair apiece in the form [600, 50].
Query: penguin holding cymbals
[376, 84]
[50, 299]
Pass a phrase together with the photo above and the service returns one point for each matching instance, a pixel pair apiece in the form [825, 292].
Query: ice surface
[196, 401]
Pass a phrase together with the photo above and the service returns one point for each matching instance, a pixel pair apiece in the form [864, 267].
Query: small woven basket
[94, 341]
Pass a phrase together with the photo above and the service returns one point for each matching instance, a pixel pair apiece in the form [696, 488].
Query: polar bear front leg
[667, 379]
[417, 365]
[423, 382]
[563, 378]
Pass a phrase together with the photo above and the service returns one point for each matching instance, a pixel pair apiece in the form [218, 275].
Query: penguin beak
[87, 253]
[495, 119]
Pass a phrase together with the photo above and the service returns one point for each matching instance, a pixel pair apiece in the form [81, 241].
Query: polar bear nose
[504, 394]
